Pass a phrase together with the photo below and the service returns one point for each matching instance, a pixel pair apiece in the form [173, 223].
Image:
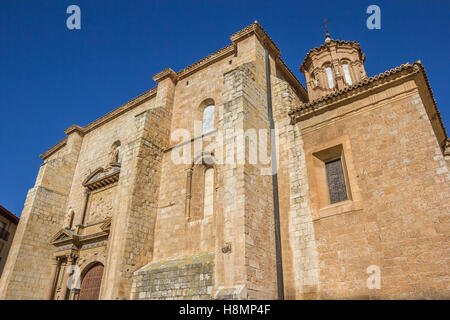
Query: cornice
[292, 79]
[231, 49]
[208, 60]
[74, 128]
[327, 102]
[106, 177]
[166, 73]
[308, 109]
[66, 237]
[103, 119]
[53, 149]
[255, 28]
[121, 110]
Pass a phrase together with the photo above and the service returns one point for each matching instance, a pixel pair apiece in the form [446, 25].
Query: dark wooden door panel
[92, 280]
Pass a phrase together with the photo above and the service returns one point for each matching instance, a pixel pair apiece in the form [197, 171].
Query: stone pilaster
[245, 248]
[55, 268]
[132, 233]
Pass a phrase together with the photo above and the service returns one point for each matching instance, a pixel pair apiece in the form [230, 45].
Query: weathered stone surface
[147, 222]
[190, 277]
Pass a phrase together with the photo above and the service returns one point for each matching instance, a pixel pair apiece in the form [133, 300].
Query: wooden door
[90, 285]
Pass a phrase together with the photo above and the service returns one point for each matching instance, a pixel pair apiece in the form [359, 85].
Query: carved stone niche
[101, 193]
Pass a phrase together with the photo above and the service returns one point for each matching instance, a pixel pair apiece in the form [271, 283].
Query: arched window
[200, 189]
[208, 198]
[348, 79]
[329, 72]
[208, 119]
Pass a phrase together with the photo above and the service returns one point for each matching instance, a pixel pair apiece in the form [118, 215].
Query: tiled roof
[311, 107]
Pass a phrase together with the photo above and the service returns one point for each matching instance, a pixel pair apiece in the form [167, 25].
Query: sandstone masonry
[113, 208]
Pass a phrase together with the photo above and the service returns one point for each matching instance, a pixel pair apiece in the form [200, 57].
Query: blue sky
[52, 77]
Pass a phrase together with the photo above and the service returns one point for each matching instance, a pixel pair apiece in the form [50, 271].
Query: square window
[333, 184]
[331, 176]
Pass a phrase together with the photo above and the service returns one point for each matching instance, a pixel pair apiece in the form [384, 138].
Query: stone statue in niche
[115, 154]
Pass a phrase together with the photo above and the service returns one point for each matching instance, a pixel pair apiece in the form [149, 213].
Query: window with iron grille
[336, 181]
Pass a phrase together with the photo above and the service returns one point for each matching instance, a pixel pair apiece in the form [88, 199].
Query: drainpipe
[276, 206]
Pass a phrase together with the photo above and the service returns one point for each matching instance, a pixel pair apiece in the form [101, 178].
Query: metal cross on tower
[325, 21]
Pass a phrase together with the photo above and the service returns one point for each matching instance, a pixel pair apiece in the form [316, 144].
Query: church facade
[230, 180]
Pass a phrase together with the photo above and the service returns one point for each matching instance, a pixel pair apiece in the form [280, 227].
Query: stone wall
[396, 218]
[401, 182]
[27, 270]
[132, 233]
[300, 261]
[190, 277]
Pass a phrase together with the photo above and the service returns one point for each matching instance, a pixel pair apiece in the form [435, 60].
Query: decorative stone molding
[166, 73]
[337, 98]
[255, 28]
[53, 149]
[102, 120]
[100, 177]
[66, 239]
[75, 128]
[310, 108]
[350, 44]
[210, 59]
[121, 110]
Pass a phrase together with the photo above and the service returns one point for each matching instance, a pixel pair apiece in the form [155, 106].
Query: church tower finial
[327, 34]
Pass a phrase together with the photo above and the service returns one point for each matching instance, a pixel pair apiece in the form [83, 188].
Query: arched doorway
[90, 285]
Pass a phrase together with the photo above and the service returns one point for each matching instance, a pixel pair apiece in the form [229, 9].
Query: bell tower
[333, 66]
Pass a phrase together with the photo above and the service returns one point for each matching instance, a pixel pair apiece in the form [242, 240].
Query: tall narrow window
[208, 119]
[336, 181]
[330, 77]
[208, 202]
[348, 79]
